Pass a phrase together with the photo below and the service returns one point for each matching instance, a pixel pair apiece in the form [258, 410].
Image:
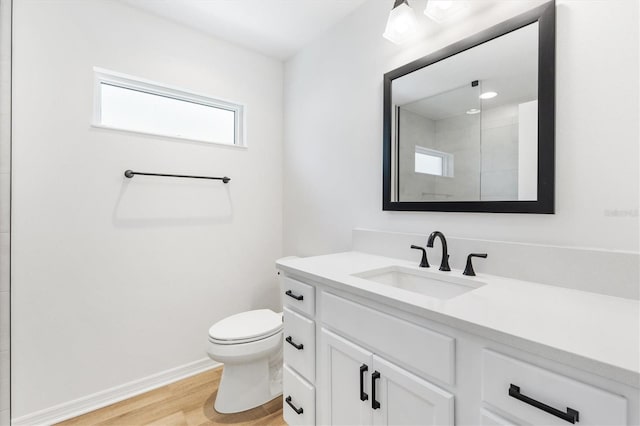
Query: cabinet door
[342, 365]
[406, 399]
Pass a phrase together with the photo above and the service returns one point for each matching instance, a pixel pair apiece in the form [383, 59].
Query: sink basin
[433, 284]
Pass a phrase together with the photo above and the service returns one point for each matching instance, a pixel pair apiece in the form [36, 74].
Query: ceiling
[507, 65]
[277, 28]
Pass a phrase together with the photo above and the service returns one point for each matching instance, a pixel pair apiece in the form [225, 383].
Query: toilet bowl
[249, 344]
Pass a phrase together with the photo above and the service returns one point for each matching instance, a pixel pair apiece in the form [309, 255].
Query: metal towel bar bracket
[130, 173]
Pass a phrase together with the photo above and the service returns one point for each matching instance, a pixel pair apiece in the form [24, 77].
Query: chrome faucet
[444, 264]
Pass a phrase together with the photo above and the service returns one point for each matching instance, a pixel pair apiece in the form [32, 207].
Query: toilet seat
[246, 327]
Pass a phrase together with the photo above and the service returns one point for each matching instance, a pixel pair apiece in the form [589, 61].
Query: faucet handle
[468, 270]
[424, 263]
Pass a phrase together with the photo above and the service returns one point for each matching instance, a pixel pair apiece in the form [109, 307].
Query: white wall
[333, 132]
[5, 185]
[114, 280]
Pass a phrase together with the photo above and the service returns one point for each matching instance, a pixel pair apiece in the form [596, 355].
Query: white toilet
[249, 344]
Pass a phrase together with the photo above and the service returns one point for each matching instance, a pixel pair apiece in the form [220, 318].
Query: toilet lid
[247, 325]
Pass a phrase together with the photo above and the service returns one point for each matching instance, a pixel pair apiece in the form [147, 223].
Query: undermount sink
[433, 284]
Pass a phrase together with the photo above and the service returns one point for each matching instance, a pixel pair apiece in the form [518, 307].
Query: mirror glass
[466, 128]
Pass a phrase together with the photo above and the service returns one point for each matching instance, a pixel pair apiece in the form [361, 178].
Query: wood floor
[188, 402]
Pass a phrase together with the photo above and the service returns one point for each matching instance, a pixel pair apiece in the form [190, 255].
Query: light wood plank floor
[188, 402]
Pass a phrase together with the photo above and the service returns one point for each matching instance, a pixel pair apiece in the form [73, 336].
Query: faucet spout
[444, 264]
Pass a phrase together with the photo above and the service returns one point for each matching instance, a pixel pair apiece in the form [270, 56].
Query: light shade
[401, 24]
[443, 10]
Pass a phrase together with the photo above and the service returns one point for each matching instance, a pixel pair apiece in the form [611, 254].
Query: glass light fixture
[401, 24]
[443, 10]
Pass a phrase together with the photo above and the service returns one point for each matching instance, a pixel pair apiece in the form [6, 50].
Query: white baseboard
[106, 397]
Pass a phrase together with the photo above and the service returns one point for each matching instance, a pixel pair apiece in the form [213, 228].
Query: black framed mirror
[471, 127]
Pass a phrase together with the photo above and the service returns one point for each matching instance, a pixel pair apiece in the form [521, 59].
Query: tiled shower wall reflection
[484, 148]
[5, 174]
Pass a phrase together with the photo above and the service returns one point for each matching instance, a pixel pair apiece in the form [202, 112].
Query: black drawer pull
[295, 296]
[293, 407]
[363, 395]
[298, 346]
[571, 416]
[374, 404]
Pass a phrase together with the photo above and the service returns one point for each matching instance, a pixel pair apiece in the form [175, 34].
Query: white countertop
[593, 332]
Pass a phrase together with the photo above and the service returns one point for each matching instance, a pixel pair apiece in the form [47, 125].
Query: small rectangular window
[125, 103]
[431, 162]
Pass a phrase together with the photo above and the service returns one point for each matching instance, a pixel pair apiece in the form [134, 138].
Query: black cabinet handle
[571, 416]
[295, 296]
[363, 395]
[293, 407]
[374, 404]
[298, 346]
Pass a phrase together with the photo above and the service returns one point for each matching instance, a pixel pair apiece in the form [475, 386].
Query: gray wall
[415, 130]
[500, 153]
[460, 136]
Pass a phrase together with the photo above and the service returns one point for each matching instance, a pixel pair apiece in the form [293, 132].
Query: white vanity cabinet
[298, 379]
[345, 369]
[363, 388]
[354, 360]
[406, 399]
[538, 396]
[359, 386]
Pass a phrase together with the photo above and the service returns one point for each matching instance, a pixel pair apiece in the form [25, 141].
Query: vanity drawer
[300, 344]
[488, 418]
[299, 399]
[298, 296]
[506, 382]
[418, 348]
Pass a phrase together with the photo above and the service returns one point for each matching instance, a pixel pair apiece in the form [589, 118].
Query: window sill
[169, 137]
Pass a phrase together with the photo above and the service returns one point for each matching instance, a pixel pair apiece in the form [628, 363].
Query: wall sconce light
[441, 11]
[401, 25]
